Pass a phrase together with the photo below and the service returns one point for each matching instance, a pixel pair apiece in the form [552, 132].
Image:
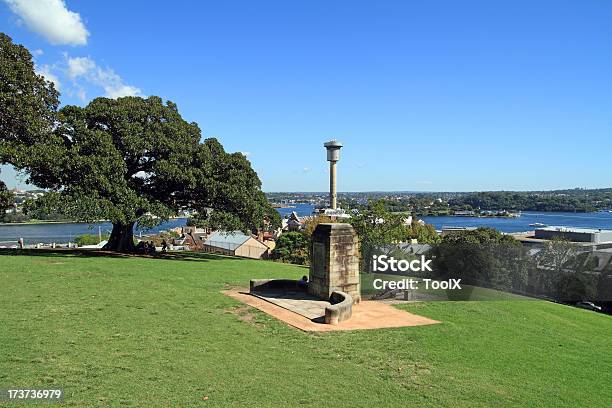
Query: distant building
[192, 237]
[604, 259]
[294, 223]
[591, 235]
[236, 244]
[464, 213]
[588, 238]
[454, 230]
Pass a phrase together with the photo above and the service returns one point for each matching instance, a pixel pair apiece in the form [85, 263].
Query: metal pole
[333, 155]
[332, 184]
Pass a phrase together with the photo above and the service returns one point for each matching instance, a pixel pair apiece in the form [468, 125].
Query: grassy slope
[145, 332]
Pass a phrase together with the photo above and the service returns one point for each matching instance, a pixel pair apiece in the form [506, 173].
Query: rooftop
[234, 237]
[573, 229]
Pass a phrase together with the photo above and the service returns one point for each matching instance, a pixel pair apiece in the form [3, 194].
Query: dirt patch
[245, 314]
[48, 262]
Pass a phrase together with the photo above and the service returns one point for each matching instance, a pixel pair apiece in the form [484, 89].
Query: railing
[9, 244]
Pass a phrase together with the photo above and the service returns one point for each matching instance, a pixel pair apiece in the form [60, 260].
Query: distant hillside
[558, 200]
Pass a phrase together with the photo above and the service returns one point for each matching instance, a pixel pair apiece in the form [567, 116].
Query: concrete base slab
[301, 303]
[366, 315]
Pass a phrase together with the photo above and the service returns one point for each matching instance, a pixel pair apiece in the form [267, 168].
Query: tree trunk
[121, 238]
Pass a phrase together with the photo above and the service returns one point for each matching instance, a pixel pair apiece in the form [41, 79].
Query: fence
[9, 244]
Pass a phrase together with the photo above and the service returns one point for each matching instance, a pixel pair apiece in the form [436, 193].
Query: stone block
[334, 263]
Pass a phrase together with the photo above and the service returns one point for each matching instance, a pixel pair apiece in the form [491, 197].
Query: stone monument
[334, 261]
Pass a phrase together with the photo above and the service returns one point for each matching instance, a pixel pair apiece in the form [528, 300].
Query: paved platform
[366, 315]
[301, 303]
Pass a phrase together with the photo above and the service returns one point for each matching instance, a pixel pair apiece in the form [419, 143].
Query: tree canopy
[380, 229]
[482, 257]
[574, 200]
[28, 102]
[135, 160]
[377, 226]
[128, 160]
[27, 105]
[292, 247]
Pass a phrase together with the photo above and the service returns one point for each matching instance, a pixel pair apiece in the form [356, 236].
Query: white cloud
[113, 84]
[246, 154]
[106, 78]
[79, 66]
[52, 20]
[114, 92]
[37, 53]
[45, 71]
[306, 169]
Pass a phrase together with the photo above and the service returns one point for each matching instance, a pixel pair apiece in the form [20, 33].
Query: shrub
[89, 239]
[292, 247]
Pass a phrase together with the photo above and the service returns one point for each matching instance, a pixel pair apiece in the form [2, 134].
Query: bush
[90, 239]
[15, 218]
[292, 247]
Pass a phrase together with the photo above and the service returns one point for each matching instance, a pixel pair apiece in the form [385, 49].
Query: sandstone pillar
[334, 261]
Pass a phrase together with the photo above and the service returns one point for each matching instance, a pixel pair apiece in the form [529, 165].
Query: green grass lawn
[158, 333]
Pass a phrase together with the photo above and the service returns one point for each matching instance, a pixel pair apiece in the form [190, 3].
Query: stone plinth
[334, 261]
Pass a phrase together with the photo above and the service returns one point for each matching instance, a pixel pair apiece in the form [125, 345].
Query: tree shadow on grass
[88, 253]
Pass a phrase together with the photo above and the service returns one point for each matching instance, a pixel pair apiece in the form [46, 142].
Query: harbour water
[66, 232]
[596, 220]
[300, 209]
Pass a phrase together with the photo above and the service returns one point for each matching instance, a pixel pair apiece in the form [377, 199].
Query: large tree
[129, 160]
[135, 160]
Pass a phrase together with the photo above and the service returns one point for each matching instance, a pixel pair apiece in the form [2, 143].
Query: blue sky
[425, 95]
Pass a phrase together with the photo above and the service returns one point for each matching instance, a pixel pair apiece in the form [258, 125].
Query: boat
[537, 224]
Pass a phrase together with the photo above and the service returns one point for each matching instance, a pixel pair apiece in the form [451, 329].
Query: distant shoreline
[40, 222]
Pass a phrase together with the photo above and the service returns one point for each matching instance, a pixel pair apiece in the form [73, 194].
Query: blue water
[584, 220]
[300, 209]
[66, 232]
